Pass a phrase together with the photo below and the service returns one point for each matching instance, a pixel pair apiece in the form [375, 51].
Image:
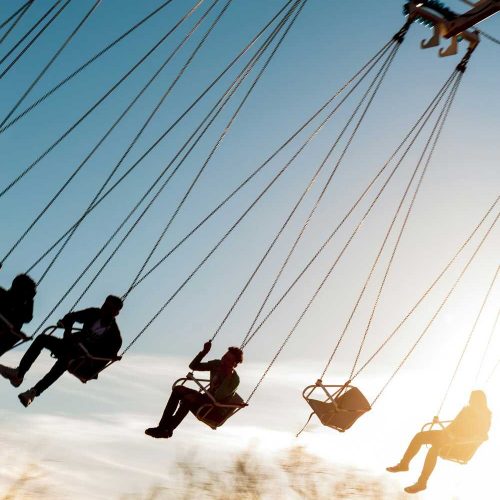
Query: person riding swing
[99, 336]
[223, 384]
[16, 309]
[471, 425]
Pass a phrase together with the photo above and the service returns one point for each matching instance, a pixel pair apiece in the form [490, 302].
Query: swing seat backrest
[215, 414]
[459, 452]
[340, 413]
[84, 369]
[212, 413]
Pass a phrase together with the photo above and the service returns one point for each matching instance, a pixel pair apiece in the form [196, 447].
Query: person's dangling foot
[159, 432]
[415, 488]
[397, 468]
[12, 375]
[27, 397]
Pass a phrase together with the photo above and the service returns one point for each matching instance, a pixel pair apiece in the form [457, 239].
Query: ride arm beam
[481, 11]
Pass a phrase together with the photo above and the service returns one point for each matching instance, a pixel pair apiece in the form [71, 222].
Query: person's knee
[179, 390]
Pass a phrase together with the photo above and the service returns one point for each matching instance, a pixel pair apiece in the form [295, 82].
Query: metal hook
[451, 50]
[433, 41]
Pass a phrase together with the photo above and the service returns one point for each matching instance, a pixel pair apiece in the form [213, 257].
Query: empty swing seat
[341, 406]
[459, 451]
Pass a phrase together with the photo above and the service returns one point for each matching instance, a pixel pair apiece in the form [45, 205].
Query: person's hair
[24, 282]
[478, 399]
[237, 354]
[114, 301]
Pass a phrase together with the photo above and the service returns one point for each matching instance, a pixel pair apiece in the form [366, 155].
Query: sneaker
[27, 397]
[158, 432]
[415, 488]
[397, 468]
[12, 375]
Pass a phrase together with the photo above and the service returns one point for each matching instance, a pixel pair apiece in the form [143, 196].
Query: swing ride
[339, 404]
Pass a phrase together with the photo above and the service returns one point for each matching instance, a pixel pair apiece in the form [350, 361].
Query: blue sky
[328, 43]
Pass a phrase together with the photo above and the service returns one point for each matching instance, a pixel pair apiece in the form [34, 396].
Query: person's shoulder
[213, 363]
[89, 311]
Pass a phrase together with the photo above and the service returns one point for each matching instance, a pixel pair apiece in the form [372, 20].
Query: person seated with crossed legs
[223, 384]
[16, 309]
[471, 424]
[99, 335]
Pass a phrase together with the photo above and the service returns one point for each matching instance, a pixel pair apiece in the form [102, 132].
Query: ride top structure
[448, 24]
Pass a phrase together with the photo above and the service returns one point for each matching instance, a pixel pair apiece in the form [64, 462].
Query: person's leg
[54, 344]
[425, 437]
[191, 400]
[430, 462]
[175, 411]
[16, 375]
[178, 393]
[53, 374]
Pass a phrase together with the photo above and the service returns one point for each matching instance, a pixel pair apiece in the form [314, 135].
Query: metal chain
[445, 300]
[33, 40]
[148, 120]
[218, 142]
[375, 83]
[490, 338]
[266, 162]
[87, 63]
[136, 222]
[14, 14]
[347, 215]
[434, 139]
[18, 15]
[155, 144]
[302, 196]
[92, 152]
[51, 61]
[467, 342]
[97, 103]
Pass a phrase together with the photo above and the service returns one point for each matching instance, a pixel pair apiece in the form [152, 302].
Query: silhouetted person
[471, 424]
[99, 335]
[16, 309]
[223, 384]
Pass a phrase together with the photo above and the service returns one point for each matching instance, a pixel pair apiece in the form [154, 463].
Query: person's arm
[74, 317]
[196, 364]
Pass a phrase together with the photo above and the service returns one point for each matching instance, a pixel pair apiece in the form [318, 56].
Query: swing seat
[213, 413]
[459, 451]
[88, 367]
[341, 406]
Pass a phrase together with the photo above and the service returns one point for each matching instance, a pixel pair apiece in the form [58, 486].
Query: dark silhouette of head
[24, 286]
[478, 400]
[112, 306]
[233, 357]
